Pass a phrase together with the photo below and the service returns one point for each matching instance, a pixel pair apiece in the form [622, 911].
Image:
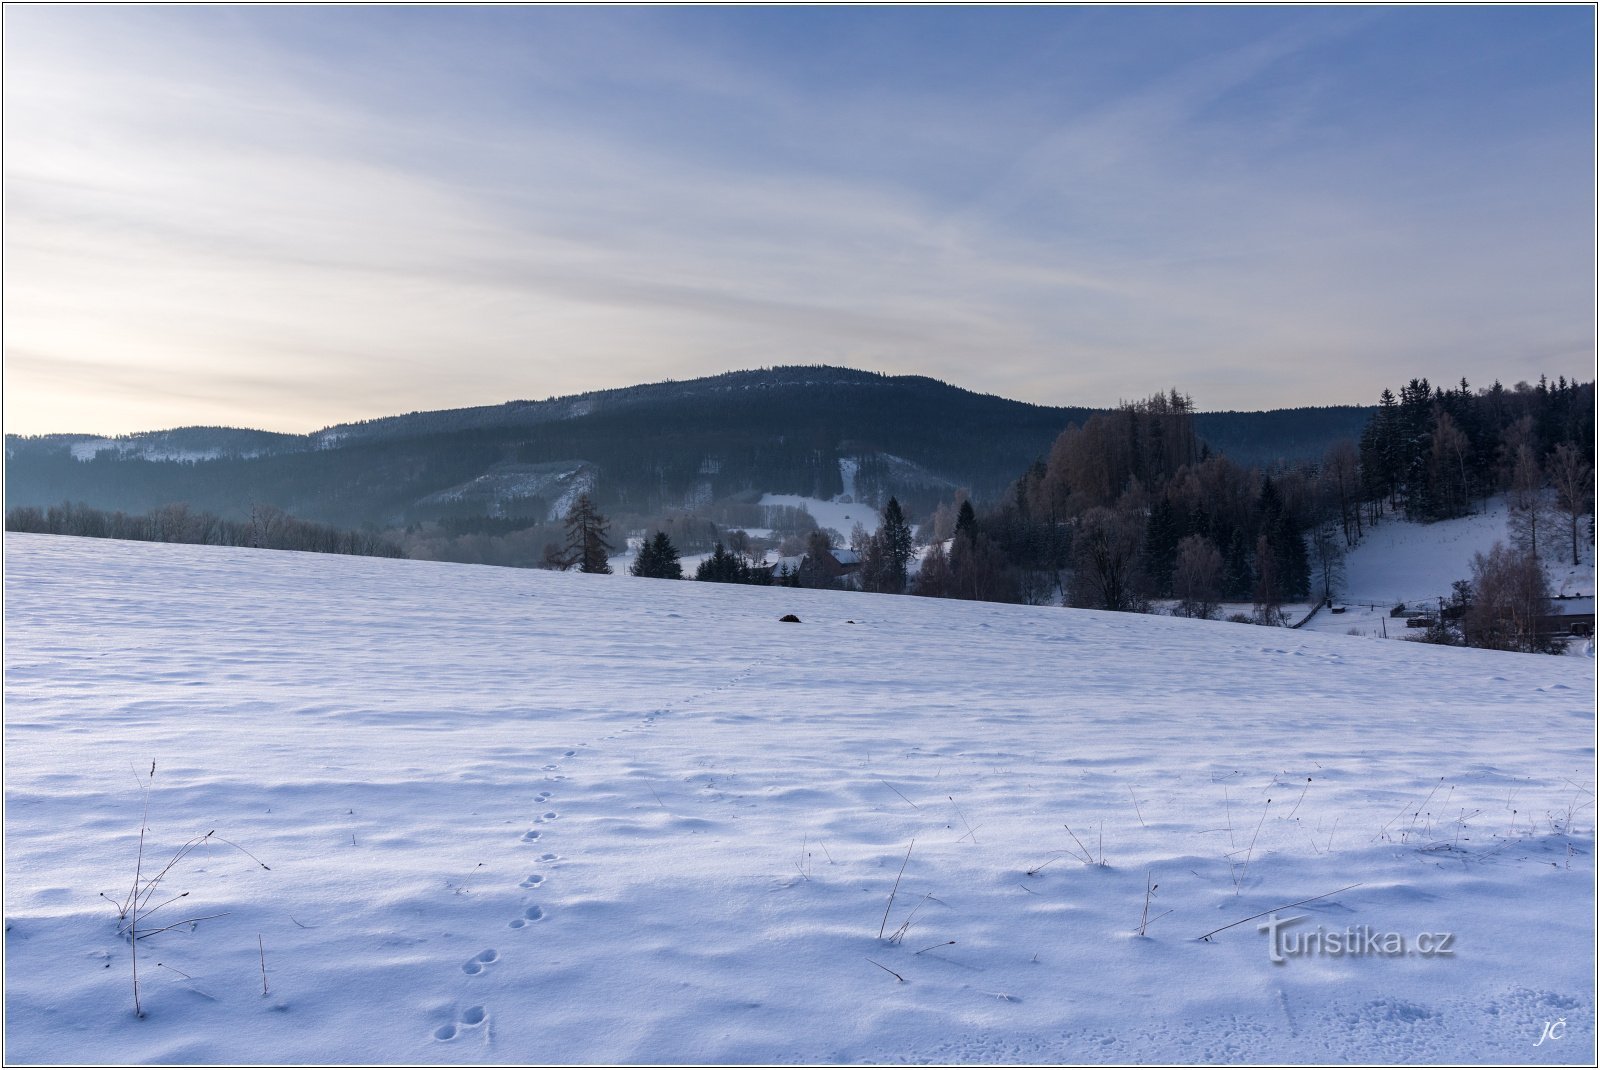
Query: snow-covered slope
[839, 515]
[1417, 563]
[519, 816]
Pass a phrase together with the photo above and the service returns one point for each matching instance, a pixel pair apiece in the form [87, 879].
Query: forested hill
[639, 450]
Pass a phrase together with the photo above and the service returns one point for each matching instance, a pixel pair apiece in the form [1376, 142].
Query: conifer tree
[720, 567]
[658, 559]
[895, 537]
[967, 522]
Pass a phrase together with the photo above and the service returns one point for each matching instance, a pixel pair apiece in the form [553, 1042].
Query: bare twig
[1238, 883]
[1302, 797]
[263, 950]
[1088, 859]
[1207, 937]
[1041, 865]
[970, 830]
[900, 934]
[1149, 893]
[180, 924]
[252, 857]
[898, 792]
[131, 906]
[890, 905]
[886, 969]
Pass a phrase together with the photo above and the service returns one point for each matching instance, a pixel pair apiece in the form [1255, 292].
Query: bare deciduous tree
[1197, 577]
[1105, 553]
[1573, 480]
[1530, 509]
[1327, 555]
[1509, 595]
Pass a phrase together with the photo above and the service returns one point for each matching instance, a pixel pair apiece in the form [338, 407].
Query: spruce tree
[895, 535]
[1161, 537]
[720, 567]
[967, 522]
[658, 559]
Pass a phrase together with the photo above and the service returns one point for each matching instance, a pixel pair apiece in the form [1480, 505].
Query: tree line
[267, 528]
[1131, 507]
[1434, 454]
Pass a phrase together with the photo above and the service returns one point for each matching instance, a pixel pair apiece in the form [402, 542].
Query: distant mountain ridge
[640, 450]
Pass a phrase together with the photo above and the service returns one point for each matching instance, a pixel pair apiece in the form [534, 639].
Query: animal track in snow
[470, 1017]
[479, 962]
[548, 857]
[548, 815]
[531, 914]
[533, 881]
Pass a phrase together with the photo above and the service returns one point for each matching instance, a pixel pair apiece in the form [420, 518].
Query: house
[836, 563]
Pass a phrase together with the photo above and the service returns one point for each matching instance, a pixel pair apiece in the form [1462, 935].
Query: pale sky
[286, 217]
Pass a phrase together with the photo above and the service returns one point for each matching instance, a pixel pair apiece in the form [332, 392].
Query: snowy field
[515, 816]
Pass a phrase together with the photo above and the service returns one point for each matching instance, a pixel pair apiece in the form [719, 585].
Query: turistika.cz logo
[1361, 941]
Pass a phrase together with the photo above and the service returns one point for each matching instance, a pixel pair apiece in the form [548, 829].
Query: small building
[837, 563]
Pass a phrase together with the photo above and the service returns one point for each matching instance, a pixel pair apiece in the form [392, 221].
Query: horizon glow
[291, 217]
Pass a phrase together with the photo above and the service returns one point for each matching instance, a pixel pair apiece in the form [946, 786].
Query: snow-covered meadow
[521, 816]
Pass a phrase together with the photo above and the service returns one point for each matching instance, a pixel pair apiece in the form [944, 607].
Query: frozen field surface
[527, 817]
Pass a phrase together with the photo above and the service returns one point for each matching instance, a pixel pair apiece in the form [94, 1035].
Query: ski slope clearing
[529, 817]
[840, 516]
[1417, 563]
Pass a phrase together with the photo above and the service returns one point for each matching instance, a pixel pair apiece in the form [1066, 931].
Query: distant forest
[644, 453]
[267, 529]
[1130, 506]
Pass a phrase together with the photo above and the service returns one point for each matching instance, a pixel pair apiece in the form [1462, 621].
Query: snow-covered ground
[1417, 563]
[840, 516]
[524, 816]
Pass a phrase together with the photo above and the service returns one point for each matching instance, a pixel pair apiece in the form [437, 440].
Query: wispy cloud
[290, 219]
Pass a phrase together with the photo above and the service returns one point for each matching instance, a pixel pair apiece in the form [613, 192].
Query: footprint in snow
[548, 815]
[530, 836]
[533, 881]
[529, 915]
[470, 1017]
[479, 962]
[548, 857]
